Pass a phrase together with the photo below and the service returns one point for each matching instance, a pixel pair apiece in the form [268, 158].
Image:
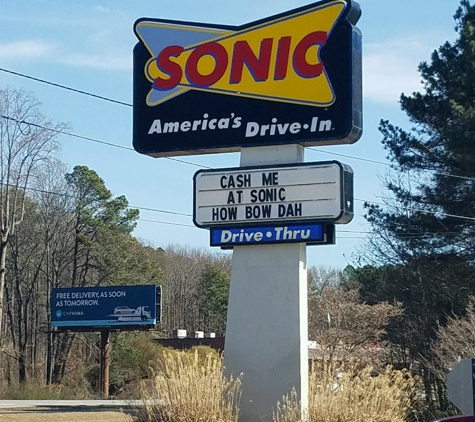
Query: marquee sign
[273, 195]
[290, 78]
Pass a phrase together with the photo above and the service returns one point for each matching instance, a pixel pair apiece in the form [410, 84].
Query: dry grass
[191, 387]
[37, 391]
[347, 394]
[188, 388]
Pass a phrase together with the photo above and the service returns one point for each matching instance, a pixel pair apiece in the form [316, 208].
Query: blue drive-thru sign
[311, 234]
[110, 306]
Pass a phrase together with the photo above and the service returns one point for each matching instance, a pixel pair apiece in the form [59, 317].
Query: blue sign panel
[111, 306]
[309, 233]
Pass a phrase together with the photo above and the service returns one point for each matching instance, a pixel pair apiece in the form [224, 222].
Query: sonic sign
[291, 78]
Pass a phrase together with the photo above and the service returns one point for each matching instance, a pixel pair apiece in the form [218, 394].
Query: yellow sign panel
[279, 60]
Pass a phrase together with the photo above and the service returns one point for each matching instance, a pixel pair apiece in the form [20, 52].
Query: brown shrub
[339, 393]
[189, 387]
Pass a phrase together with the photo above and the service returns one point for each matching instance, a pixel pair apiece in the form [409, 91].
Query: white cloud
[390, 69]
[100, 61]
[26, 49]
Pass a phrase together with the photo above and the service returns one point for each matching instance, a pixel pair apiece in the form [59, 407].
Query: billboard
[108, 306]
[290, 78]
[314, 192]
[310, 234]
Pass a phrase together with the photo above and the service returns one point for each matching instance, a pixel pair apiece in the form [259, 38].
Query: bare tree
[54, 207]
[321, 277]
[455, 341]
[344, 327]
[27, 140]
[184, 268]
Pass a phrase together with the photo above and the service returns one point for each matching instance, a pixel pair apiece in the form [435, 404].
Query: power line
[22, 75]
[189, 215]
[162, 211]
[443, 214]
[168, 223]
[350, 156]
[185, 162]
[194, 164]
[407, 235]
[190, 163]
[62, 132]
[73, 197]
[403, 235]
[367, 160]
[87, 138]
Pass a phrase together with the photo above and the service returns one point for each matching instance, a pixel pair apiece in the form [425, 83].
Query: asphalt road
[16, 404]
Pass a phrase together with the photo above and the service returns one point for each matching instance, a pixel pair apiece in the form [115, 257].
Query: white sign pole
[267, 326]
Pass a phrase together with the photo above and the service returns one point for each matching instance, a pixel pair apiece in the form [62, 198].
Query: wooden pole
[105, 363]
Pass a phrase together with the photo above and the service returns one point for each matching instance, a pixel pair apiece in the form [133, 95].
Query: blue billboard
[311, 234]
[109, 306]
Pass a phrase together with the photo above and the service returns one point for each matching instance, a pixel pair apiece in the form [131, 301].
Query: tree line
[421, 248]
[63, 228]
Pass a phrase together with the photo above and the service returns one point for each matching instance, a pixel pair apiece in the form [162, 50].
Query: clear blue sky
[87, 45]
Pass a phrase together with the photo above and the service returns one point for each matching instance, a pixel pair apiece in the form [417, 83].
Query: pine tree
[423, 243]
[434, 192]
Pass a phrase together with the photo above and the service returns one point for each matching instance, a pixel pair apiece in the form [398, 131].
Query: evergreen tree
[97, 215]
[213, 293]
[423, 244]
[435, 191]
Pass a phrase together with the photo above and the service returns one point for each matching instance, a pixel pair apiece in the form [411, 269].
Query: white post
[267, 326]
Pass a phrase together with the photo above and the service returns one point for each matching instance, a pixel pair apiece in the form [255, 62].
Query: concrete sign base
[267, 328]
[461, 386]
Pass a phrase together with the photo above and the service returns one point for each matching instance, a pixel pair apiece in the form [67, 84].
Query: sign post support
[461, 386]
[105, 363]
[267, 326]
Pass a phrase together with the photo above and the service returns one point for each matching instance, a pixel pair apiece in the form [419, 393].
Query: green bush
[132, 354]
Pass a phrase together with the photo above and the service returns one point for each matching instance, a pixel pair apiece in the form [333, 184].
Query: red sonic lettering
[242, 56]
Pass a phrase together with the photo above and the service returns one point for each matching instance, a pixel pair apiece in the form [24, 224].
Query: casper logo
[278, 60]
